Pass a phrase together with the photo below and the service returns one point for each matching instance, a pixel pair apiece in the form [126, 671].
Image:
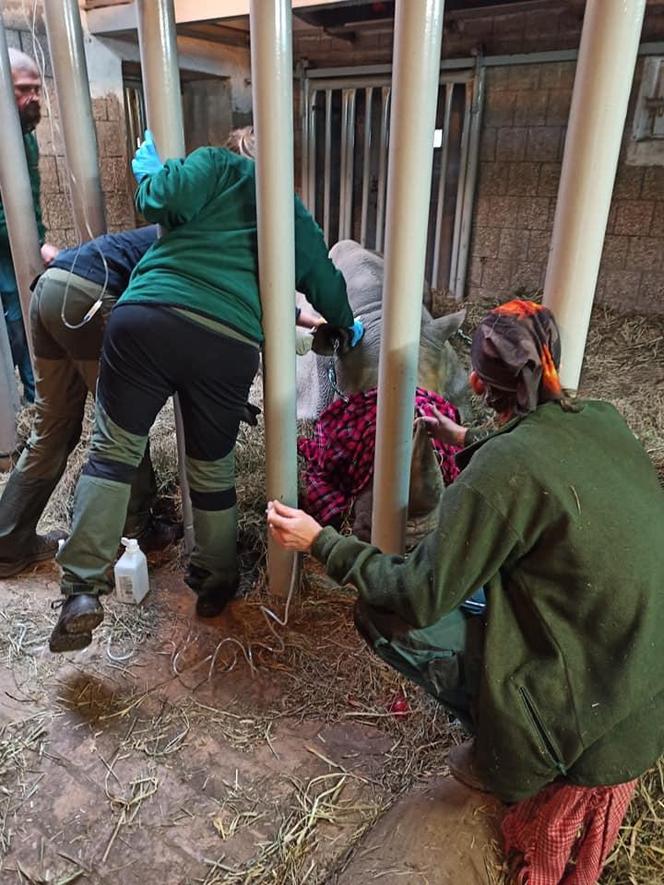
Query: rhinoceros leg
[362, 513]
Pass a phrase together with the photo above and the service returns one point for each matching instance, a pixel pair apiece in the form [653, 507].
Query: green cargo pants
[445, 659]
[66, 369]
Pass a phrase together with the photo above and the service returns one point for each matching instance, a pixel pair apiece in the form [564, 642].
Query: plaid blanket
[339, 458]
[563, 835]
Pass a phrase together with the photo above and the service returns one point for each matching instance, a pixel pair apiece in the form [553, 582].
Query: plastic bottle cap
[130, 543]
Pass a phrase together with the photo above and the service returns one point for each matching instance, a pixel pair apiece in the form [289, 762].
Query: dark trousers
[66, 368]
[21, 356]
[149, 354]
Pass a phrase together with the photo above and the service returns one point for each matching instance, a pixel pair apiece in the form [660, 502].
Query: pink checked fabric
[562, 836]
[339, 458]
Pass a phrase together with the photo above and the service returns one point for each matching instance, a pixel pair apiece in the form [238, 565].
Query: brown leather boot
[462, 765]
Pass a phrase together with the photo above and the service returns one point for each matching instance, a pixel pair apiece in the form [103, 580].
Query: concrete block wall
[521, 152]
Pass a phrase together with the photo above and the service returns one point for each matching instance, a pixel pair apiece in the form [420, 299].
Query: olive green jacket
[559, 515]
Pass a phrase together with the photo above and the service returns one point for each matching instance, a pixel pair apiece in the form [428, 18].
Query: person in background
[558, 515]
[188, 323]
[27, 92]
[70, 305]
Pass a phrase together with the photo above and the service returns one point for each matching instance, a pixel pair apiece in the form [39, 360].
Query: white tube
[418, 32]
[161, 83]
[604, 74]
[271, 82]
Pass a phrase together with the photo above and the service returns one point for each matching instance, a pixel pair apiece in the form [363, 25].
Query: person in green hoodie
[190, 322]
[558, 516]
[27, 93]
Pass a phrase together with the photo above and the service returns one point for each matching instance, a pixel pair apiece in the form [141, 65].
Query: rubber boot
[79, 616]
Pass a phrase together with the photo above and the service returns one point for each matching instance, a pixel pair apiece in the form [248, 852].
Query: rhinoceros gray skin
[438, 366]
[438, 370]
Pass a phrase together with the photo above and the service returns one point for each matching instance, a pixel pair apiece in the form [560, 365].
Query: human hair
[242, 142]
[21, 61]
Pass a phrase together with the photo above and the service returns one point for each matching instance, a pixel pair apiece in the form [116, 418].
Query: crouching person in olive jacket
[558, 516]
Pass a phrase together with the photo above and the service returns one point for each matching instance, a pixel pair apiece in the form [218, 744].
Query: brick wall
[521, 151]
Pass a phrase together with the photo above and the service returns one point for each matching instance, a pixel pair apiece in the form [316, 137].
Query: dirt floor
[180, 751]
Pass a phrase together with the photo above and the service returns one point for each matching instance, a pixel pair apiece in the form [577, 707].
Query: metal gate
[345, 138]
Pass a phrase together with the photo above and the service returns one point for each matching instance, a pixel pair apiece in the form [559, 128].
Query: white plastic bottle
[131, 573]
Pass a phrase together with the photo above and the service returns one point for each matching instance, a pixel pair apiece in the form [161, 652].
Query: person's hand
[146, 159]
[293, 529]
[48, 253]
[356, 333]
[307, 319]
[443, 429]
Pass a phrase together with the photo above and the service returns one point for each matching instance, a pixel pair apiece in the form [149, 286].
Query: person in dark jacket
[558, 515]
[27, 93]
[190, 322]
[69, 309]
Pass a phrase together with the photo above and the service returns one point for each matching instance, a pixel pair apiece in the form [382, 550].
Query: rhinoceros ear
[444, 327]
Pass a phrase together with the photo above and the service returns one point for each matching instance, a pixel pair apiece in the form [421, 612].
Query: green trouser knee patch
[110, 443]
[87, 557]
[212, 483]
[433, 657]
[216, 542]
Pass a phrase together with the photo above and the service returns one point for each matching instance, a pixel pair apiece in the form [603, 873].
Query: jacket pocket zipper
[542, 733]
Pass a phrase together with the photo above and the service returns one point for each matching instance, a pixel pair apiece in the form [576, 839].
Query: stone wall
[523, 137]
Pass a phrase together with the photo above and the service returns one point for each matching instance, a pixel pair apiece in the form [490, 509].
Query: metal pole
[304, 128]
[16, 191]
[463, 169]
[366, 164]
[607, 56]
[385, 96]
[311, 185]
[271, 80]
[65, 41]
[469, 184]
[327, 171]
[442, 182]
[161, 84]
[417, 42]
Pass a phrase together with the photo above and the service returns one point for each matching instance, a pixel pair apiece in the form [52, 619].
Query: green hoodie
[207, 261]
[560, 517]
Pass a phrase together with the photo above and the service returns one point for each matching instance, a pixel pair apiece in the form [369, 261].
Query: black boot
[213, 594]
[79, 616]
[158, 534]
[41, 548]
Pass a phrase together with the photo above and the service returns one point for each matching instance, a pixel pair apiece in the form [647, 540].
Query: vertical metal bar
[463, 165]
[343, 170]
[604, 74]
[16, 190]
[65, 41]
[442, 181]
[327, 172]
[350, 163]
[385, 96]
[311, 186]
[366, 163]
[470, 182]
[271, 82]
[417, 43]
[161, 86]
[304, 120]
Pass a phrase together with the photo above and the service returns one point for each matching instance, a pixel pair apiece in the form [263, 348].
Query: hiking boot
[43, 547]
[79, 616]
[158, 535]
[212, 600]
[463, 767]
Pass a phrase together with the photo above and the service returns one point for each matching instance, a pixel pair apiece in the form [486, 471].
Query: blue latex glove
[356, 333]
[146, 159]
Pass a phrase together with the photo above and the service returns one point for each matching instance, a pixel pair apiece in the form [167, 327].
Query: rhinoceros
[438, 369]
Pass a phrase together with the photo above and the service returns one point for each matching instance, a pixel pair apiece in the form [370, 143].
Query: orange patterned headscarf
[516, 350]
